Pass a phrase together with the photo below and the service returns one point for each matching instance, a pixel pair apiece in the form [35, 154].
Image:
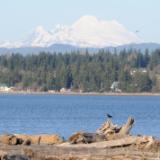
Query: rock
[50, 139]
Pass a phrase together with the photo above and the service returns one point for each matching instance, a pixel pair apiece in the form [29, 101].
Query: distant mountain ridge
[86, 32]
[141, 46]
[62, 48]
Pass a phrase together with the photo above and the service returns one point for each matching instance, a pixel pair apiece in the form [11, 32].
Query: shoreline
[109, 142]
[79, 93]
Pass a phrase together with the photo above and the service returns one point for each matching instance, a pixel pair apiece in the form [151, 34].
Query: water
[64, 115]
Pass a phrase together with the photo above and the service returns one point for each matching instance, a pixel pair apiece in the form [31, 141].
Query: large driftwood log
[83, 137]
[126, 128]
[109, 129]
[19, 139]
[140, 142]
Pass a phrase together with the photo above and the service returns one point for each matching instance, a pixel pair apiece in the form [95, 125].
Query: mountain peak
[39, 29]
[87, 18]
[39, 38]
[87, 31]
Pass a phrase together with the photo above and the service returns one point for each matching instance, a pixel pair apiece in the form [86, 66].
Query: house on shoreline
[115, 87]
[4, 88]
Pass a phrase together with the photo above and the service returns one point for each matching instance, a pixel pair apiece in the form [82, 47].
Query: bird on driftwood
[109, 116]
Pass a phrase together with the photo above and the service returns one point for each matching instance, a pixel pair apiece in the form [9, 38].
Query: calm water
[35, 114]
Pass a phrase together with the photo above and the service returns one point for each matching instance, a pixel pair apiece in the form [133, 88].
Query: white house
[4, 88]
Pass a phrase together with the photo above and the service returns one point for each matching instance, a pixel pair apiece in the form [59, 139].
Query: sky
[20, 17]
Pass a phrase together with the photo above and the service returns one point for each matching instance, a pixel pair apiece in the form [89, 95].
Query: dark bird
[137, 31]
[109, 116]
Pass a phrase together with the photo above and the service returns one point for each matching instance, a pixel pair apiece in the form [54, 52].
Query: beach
[84, 93]
[118, 146]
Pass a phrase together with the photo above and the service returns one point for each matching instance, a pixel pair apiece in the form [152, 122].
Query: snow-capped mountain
[39, 38]
[88, 31]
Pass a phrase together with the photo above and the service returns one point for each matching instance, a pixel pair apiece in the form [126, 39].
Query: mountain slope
[88, 31]
[69, 48]
[140, 46]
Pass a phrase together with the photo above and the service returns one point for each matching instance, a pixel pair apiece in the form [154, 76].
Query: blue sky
[19, 17]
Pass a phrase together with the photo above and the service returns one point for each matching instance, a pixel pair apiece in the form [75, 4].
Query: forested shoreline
[133, 70]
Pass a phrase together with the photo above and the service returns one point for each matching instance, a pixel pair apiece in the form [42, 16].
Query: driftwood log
[108, 135]
[108, 131]
[109, 142]
[19, 139]
[83, 137]
[126, 128]
[139, 142]
[111, 135]
[108, 128]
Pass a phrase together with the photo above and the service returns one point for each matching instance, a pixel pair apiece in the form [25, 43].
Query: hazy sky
[19, 17]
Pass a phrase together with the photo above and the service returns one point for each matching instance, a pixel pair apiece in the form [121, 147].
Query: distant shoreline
[82, 94]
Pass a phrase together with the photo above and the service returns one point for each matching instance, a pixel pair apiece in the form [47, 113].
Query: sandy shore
[83, 93]
[74, 152]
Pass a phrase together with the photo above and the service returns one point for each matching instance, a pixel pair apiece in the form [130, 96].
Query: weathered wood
[122, 142]
[108, 149]
[10, 139]
[110, 141]
[83, 137]
[126, 128]
[109, 129]
[19, 139]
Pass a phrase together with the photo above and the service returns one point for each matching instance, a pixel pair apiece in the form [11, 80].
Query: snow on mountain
[8, 44]
[39, 38]
[88, 31]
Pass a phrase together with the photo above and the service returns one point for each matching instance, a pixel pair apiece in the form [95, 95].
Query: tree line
[135, 71]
